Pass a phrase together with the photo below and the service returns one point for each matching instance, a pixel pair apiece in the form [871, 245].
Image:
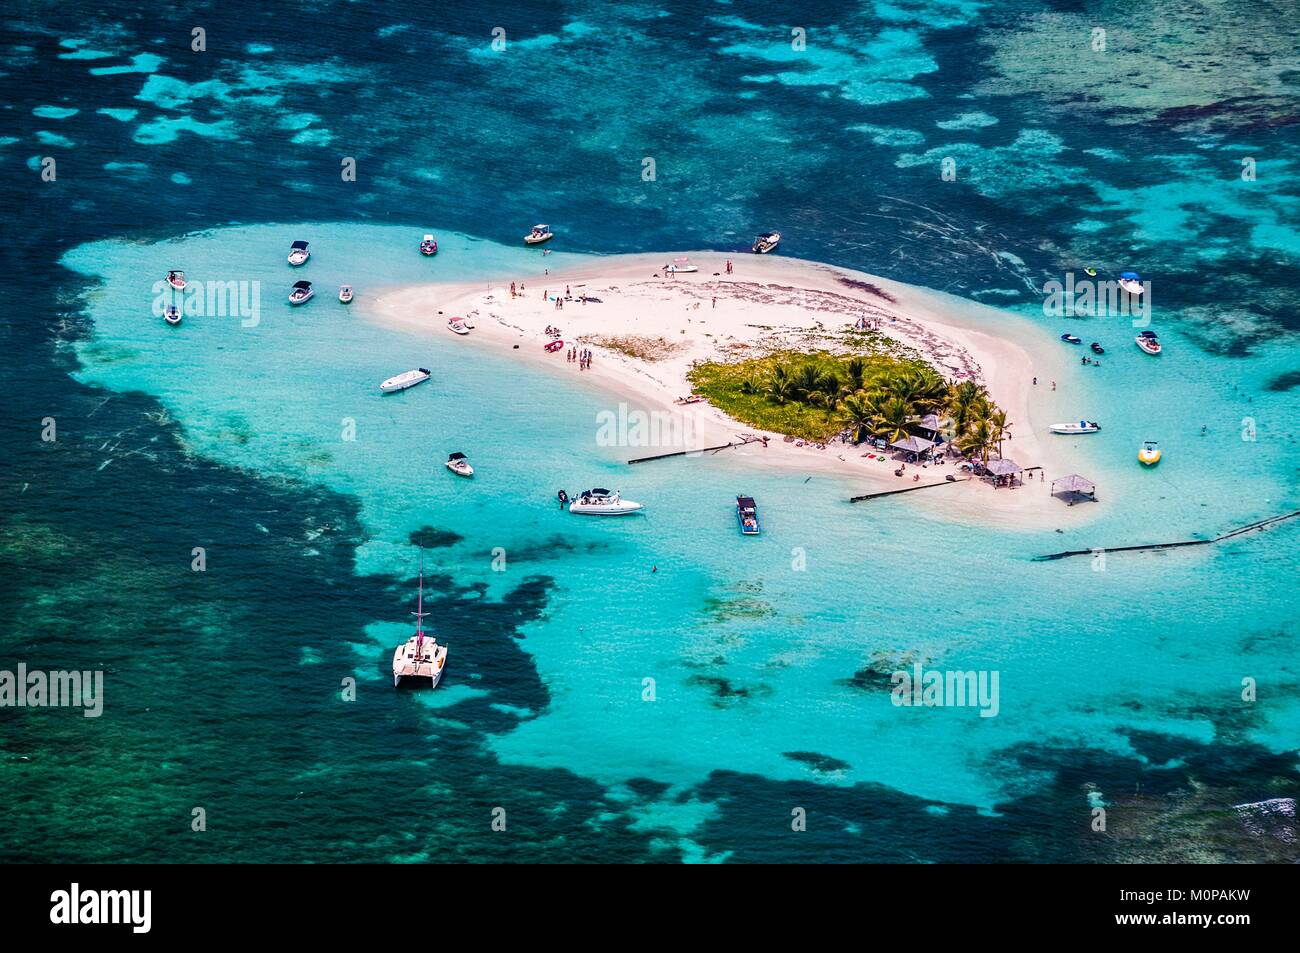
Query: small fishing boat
[345, 294]
[1130, 282]
[428, 246]
[176, 279]
[298, 254]
[1097, 348]
[682, 266]
[552, 346]
[765, 242]
[1071, 339]
[172, 315]
[458, 464]
[457, 326]
[301, 293]
[602, 502]
[1083, 426]
[404, 380]
[1149, 455]
[747, 515]
[1148, 343]
[421, 657]
[539, 234]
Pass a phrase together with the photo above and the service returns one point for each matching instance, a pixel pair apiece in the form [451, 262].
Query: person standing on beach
[512, 289]
[728, 266]
[715, 301]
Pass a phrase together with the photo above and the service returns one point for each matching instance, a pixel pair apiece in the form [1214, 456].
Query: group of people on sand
[583, 357]
[516, 293]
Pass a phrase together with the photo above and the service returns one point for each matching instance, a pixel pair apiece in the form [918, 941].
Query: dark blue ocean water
[1065, 155]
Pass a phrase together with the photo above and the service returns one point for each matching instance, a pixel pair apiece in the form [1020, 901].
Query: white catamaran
[421, 657]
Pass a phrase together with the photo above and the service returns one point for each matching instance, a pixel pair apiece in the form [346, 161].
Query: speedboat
[172, 315]
[1097, 348]
[1130, 282]
[298, 254]
[428, 246]
[1147, 341]
[539, 234]
[1149, 455]
[301, 293]
[747, 515]
[404, 380]
[765, 242]
[682, 266]
[1071, 339]
[1083, 426]
[457, 325]
[176, 279]
[458, 464]
[601, 502]
[421, 657]
[345, 294]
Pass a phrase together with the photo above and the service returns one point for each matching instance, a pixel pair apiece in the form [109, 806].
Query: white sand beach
[767, 303]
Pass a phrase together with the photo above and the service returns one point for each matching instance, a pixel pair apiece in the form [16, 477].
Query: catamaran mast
[419, 612]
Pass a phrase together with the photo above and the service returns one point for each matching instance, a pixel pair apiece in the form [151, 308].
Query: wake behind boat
[404, 380]
[1083, 426]
[601, 502]
[421, 657]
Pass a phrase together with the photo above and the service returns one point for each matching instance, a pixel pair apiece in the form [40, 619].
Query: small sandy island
[646, 327]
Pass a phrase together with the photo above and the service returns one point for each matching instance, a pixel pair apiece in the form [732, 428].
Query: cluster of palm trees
[886, 401]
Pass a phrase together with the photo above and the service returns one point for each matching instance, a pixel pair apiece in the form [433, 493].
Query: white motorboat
[428, 246]
[457, 325]
[458, 464]
[421, 657]
[345, 294]
[404, 380]
[1130, 282]
[1147, 341]
[298, 254]
[682, 266]
[765, 242]
[539, 234]
[302, 293]
[176, 279]
[172, 315]
[602, 502]
[1083, 426]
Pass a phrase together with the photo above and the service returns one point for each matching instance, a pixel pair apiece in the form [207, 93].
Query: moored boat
[345, 294]
[602, 502]
[1097, 348]
[458, 464]
[682, 266]
[172, 315]
[1130, 282]
[1148, 343]
[457, 325]
[747, 515]
[302, 293]
[176, 279]
[421, 656]
[539, 234]
[1150, 454]
[1071, 339]
[552, 346]
[428, 246]
[298, 253]
[404, 380]
[766, 241]
[1083, 426]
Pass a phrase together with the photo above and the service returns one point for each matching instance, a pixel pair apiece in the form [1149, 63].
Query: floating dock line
[906, 489]
[1153, 547]
[686, 453]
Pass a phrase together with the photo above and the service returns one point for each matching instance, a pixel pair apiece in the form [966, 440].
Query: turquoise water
[223, 687]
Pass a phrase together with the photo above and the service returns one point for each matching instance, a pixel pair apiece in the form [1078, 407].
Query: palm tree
[891, 419]
[1000, 426]
[978, 439]
[961, 403]
[857, 412]
[856, 369]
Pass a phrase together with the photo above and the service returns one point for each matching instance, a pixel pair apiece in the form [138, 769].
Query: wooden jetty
[906, 489]
[687, 453]
[1155, 547]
